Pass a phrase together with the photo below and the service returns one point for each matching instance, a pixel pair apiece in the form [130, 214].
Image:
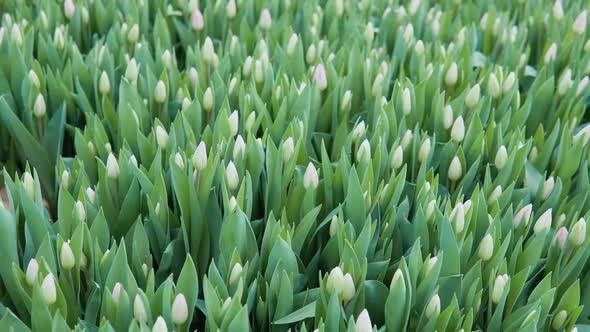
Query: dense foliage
[266, 165]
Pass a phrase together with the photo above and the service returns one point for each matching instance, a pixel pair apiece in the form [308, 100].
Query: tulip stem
[40, 128]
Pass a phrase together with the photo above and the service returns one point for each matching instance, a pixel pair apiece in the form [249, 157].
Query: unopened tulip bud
[319, 76]
[364, 151]
[16, 35]
[197, 22]
[233, 123]
[208, 51]
[104, 85]
[523, 214]
[112, 166]
[292, 44]
[33, 77]
[48, 289]
[231, 9]
[452, 74]
[433, 307]
[116, 293]
[139, 311]
[247, 67]
[193, 76]
[369, 32]
[39, 107]
[79, 211]
[335, 280]
[501, 158]
[455, 169]
[430, 209]
[493, 86]
[424, 151]
[166, 59]
[406, 101]
[239, 148]
[408, 33]
[208, 100]
[543, 223]
[233, 204]
[161, 137]
[579, 26]
[132, 71]
[32, 271]
[551, 53]
[559, 319]
[486, 248]
[363, 322]
[310, 178]
[458, 217]
[548, 188]
[288, 149]
[250, 121]
[233, 179]
[310, 54]
[346, 99]
[133, 35]
[472, 97]
[160, 92]
[458, 130]
[359, 131]
[397, 158]
[509, 82]
[419, 48]
[160, 325]
[498, 289]
[179, 160]
[265, 19]
[558, 10]
[29, 184]
[179, 310]
[378, 85]
[67, 255]
[348, 288]
[333, 226]
[565, 82]
[578, 233]
[582, 85]
[199, 158]
[235, 273]
[447, 117]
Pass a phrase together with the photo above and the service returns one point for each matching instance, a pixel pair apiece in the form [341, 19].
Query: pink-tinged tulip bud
[579, 26]
[320, 78]
[69, 8]
[544, 222]
[363, 322]
[310, 178]
[179, 310]
[551, 53]
[560, 237]
[265, 19]
[197, 22]
[48, 289]
[524, 214]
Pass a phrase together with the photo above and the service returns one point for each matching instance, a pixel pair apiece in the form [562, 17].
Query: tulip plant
[284, 165]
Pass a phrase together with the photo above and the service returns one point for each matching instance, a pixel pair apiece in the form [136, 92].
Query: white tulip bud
[458, 130]
[378, 85]
[498, 289]
[333, 225]
[239, 148]
[548, 188]
[133, 160]
[233, 204]
[509, 82]
[406, 101]
[58, 39]
[501, 158]
[335, 280]
[565, 82]
[319, 76]
[247, 68]
[452, 74]
[551, 53]
[16, 35]
[179, 310]
[160, 325]
[199, 159]
[90, 194]
[558, 10]
[472, 97]
[161, 137]
[433, 307]
[208, 51]
[258, 71]
[232, 176]
[179, 160]
[582, 85]
[310, 178]
[32, 271]
[493, 86]
[160, 92]
[193, 76]
[116, 293]
[233, 123]
[523, 214]
[32, 76]
[208, 100]
[250, 121]
[579, 26]
[348, 288]
[104, 84]
[112, 166]
[235, 273]
[346, 99]
[133, 35]
[29, 184]
[486, 248]
[231, 9]
[339, 6]
[265, 19]
[397, 158]
[358, 131]
[430, 209]
[364, 151]
[458, 217]
[288, 149]
[408, 33]
[39, 107]
[419, 47]
[578, 233]
[197, 22]
[369, 32]
[424, 150]
[448, 117]
[124, 29]
[363, 322]
[66, 255]
[483, 23]
[543, 223]
[310, 54]
[79, 211]
[292, 44]
[559, 319]
[132, 71]
[48, 289]
[166, 59]
[139, 311]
